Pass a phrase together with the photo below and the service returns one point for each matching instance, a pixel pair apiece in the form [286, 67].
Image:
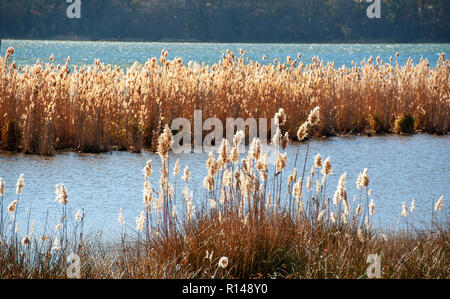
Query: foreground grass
[280, 248]
[246, 226]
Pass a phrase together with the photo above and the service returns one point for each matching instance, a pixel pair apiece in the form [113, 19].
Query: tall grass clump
[101, 107]
[25, 254]
[246, 225]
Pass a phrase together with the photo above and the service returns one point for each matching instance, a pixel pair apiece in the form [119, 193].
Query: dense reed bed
[245, 226]
[45, 107]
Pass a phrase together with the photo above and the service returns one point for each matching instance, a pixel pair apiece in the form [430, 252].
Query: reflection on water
[400, 168]
[124, 54]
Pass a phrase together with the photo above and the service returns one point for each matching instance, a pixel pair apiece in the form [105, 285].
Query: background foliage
[229, 20]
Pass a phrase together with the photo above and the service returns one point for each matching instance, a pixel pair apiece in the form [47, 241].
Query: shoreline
[115, 149]
[224, 42]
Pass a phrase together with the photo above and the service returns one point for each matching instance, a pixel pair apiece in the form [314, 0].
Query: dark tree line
[229, 20]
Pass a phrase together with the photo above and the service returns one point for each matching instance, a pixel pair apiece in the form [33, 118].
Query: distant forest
[228, 20]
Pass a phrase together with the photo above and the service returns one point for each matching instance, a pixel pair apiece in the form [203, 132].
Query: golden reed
[46, 107]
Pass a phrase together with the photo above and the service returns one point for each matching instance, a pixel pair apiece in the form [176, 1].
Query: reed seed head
[308, 183]
[186, 174]
[61, 194]
[317, 162]
[302, 131]
[327, 169]
[413, 205]
[255, 149]
[281, 162]
[280, 117]
[333, 217]
[371, 207]
[12, 206]
[439, 204]
[297, 189]
[176, 169]
[78, 216]
[2, 186]
[165, 142]
[148, 169]
[365, 178]
[314, 116]
[277, 138]
[322, 213]
[404, 210]
[140, 222]
[227, 180]
[20, 184]
[223, 262]
[120, 218]
[238, 137]
[224, 153]
[285, 141]
[358, 209]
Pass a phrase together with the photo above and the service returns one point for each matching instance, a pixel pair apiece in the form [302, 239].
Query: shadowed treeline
[229, 21]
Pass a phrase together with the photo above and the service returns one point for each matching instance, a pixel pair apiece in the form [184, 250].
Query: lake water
[400, 168]
[124, 54]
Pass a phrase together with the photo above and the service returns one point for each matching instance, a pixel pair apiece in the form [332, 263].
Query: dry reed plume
[46, 107]
[246, 226]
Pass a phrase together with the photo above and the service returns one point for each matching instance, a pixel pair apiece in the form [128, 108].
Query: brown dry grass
[46, 107]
